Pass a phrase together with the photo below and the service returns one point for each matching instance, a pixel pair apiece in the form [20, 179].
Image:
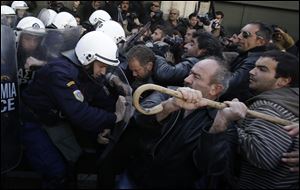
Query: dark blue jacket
[56, 89]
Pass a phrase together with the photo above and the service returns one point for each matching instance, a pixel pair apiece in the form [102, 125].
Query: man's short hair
[220, 13]
[165, 30]
[264, 31]
[192, 15]
[288, 65]
[142, 53]
[208, 42]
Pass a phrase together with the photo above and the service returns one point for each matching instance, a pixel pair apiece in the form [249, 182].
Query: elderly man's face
[200, 77]
[173, 15]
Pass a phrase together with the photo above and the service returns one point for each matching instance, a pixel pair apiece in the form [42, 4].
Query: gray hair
[222, 74]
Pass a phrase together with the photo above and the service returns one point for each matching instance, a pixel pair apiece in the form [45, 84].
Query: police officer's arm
[70, 100]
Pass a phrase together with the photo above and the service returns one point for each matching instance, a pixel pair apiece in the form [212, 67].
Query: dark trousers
[43, 156]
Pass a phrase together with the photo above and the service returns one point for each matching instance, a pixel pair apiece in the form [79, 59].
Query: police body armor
[10, 123]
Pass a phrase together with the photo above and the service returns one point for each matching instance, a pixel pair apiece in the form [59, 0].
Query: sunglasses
[155, 5]
[246, 34]
[173, 13]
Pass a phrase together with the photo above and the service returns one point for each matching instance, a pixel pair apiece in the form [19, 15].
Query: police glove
[115, 81]
[33, 62]
[103, 137]
[120, 108]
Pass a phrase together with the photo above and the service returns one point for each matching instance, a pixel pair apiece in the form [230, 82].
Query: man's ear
[216, 89]
[283, 81]
[149, 66]
[201, 52]
[261, 41]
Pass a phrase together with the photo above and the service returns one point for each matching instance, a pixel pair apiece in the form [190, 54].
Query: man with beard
[141, 62]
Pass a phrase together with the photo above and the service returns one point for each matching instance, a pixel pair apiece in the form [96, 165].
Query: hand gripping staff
[158, 108]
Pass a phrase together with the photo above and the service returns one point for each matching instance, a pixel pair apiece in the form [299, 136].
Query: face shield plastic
[30, 54]
[60, 40]
[29, 45]
[9, 20]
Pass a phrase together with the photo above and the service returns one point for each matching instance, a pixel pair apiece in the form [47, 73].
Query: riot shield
[10, 125]
[9, 20]
[30, 54]
[117, 84]
[59, 40]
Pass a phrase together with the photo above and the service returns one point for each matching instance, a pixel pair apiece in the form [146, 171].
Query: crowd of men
[77, 71]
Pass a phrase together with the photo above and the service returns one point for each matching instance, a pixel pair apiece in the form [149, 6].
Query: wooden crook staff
[158, 108]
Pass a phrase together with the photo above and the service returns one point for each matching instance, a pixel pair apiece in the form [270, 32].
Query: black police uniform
[54, 90]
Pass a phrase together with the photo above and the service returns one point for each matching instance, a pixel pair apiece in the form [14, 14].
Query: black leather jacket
[167, 74]
[239, 82]
[174, 158]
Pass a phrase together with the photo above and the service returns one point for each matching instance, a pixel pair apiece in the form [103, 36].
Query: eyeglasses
[153, 5]
[173, 13]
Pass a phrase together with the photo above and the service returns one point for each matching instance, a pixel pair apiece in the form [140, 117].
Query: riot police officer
[54, 99]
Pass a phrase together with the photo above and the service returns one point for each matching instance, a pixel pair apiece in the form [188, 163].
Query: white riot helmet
[99, 16]
[113, 29]
[47, 16]
[8, 16]
[7, 10]
[19, 5]
[30, 24]
[96, 45]
[64, 20]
